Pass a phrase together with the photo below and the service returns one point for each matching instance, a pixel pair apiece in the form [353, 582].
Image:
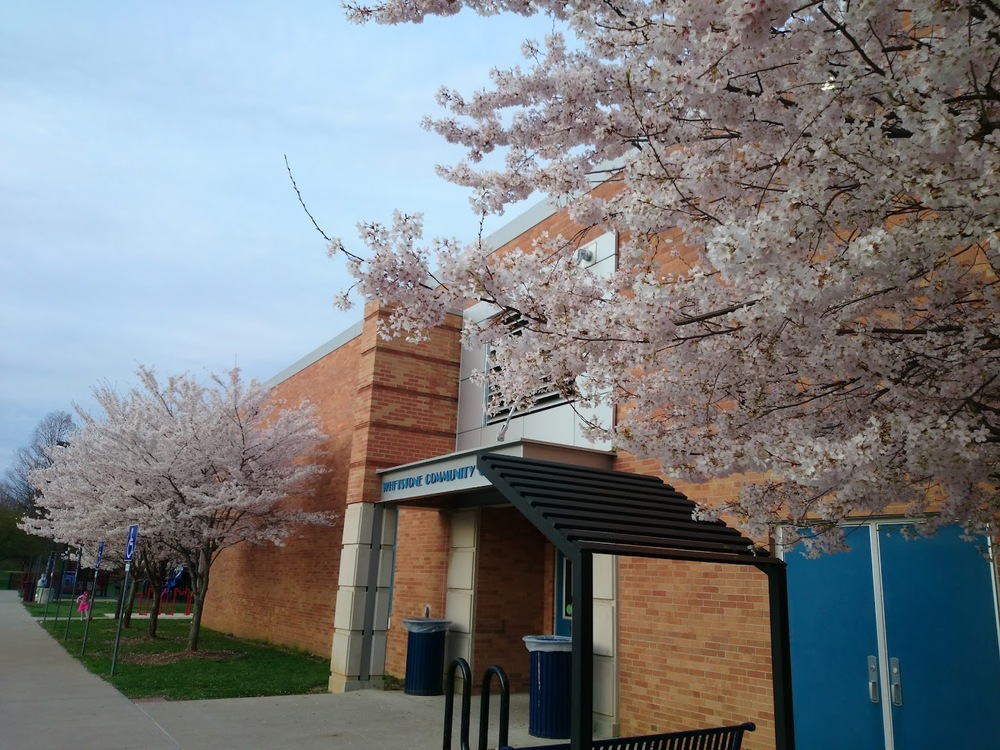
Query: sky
[146, 215]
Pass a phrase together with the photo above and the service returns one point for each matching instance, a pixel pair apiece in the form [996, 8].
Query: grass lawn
[223, 667]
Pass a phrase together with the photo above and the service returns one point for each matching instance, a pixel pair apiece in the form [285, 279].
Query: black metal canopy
[615, 513]
[585, 511]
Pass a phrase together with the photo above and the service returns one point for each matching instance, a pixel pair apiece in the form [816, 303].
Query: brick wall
[286, 594]
[512, 598]
[405, 404]
[420, 578]
[382, 403]
[694, 648]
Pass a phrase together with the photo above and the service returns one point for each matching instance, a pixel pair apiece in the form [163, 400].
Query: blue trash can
[424, 656]
[551, 683]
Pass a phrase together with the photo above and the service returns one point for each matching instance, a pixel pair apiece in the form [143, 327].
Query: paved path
[48, 701]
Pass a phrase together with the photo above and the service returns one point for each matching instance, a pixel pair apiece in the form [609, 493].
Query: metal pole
[76, 574]
[118, 633]
[48, 579]
[48, 583]
[93, 596]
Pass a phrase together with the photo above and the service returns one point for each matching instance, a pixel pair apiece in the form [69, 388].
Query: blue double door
[895, 643]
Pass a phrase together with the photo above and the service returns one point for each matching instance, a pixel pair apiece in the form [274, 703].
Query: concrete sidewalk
[48, 701]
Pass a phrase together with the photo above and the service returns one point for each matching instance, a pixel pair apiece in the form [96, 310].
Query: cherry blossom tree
[806, 198]
[199, 467]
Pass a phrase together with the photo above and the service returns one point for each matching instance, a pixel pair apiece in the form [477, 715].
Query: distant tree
[16, 489]
[199, 468]
[16, 545]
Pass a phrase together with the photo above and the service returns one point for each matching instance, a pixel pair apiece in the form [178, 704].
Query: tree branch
[302, 201]
[854, 42]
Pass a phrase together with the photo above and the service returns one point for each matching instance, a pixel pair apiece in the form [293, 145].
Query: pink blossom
[831, 169]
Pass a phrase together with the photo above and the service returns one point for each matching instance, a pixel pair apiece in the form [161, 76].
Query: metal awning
[615, 513]
[585, 511]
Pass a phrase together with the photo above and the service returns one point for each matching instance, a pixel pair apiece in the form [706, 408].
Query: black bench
[715, 738]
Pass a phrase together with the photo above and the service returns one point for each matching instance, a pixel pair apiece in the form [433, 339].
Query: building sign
[457, 472]
[438, 476]
[448, 474]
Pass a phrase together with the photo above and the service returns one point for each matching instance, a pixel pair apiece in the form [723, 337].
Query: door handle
[895, 683]
[873, 690]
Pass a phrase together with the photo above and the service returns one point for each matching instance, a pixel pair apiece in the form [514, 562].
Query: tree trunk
[157, 573]
[154, 614]
[127, 601]
[199, 588]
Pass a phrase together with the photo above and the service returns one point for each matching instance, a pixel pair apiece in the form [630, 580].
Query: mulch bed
[171, 657]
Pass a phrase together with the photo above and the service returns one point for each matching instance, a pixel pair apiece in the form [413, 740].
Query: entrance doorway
[563, 620]
[895, 643]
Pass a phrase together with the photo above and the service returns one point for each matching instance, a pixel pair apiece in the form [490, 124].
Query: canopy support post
[582, 692]
[781, 655]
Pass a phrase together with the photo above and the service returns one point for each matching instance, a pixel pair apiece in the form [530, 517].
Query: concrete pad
[49, 701]
[369, 719]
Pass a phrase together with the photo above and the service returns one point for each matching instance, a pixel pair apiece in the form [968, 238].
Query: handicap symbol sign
[133, 537]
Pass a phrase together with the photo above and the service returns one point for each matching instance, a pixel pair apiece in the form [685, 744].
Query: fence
[168, 600]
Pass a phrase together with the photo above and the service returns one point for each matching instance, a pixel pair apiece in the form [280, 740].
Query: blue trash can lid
[548, 642]
[425, 625]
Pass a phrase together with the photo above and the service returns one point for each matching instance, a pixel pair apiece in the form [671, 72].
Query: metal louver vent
[546, 397]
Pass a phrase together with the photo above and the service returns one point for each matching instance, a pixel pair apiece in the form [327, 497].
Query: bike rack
[462, 665]
[484, 706]
[449, 704]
